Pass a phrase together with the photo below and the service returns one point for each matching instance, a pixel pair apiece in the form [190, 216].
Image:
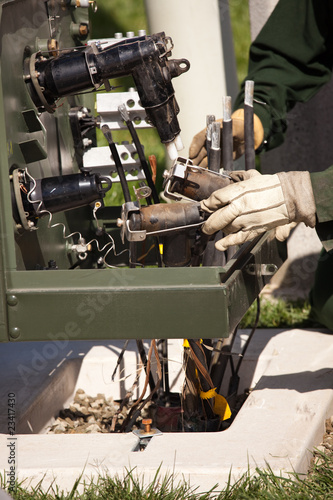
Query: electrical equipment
[71, 260]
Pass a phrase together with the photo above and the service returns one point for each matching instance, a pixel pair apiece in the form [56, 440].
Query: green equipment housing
[63, 272]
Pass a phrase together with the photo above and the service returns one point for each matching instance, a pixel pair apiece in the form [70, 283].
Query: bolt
[83, 30]
[120, 222]
[15, 332]
[53, 46]
[147, 423]
[12, 300]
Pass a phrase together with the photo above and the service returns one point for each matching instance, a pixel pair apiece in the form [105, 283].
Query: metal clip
[142, 192]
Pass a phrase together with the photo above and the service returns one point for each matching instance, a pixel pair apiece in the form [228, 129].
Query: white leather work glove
[198, 152]
[281, 232]
[248, 208]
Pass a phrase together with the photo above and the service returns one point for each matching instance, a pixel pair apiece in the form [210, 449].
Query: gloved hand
[281, 232]
[198, 152]
[262, 202]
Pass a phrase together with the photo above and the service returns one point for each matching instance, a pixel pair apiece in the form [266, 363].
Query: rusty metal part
[83, 29]
[53, 47]
[153, 166]
[166, 216]
[199, 184]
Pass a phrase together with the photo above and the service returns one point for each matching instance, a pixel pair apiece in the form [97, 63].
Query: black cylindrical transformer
[65, 192]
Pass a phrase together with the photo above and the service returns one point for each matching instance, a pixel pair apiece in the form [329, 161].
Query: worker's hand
[248, 208]
[198, 152]
[283, 232]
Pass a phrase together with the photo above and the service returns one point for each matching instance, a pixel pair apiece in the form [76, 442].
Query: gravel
[89, 414]
[100, 414]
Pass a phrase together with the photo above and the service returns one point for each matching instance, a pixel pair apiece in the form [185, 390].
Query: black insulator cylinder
[177, 250]
[145, 58]
[64, 75]
[57, 194]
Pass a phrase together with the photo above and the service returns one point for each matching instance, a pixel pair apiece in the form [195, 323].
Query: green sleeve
[322, 185]
[290, 60]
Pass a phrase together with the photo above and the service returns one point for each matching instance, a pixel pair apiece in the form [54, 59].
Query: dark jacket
[290, 60]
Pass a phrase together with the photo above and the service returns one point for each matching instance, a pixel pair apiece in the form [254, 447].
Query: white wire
[111, 243]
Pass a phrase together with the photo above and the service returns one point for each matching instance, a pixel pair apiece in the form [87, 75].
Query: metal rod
[209, 120]
[248, 126]
[162, 347]
[215, 150]
[227, 139]
[125, 116]
[116, 158]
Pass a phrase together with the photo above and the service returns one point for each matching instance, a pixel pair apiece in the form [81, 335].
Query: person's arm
[290, 60]
[322, 186]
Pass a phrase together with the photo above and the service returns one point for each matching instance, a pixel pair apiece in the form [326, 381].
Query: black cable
[247, 343]
[199, 357]
[144, 361]
[125, 116]
[249, 126]
[234, 379]
[162, 347]
[120, 357]
[116, 158]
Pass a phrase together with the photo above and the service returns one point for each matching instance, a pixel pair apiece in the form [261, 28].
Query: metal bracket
[261, 269]
[179, 170]
[123, 223]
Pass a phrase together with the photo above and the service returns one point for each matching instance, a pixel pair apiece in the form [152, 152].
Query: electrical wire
[234, 379]
[111, 244]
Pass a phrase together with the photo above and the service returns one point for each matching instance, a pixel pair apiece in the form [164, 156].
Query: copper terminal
[153, 166]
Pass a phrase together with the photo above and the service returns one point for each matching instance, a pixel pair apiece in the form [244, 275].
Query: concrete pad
[45, 375]
[280, 423]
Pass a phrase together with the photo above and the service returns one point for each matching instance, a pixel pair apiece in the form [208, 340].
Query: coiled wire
[110, 244]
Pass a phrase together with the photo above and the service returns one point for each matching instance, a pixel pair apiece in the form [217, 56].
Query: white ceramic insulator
[179, 143]
[172, 150]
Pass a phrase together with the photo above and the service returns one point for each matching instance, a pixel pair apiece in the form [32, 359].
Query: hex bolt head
[146, 422]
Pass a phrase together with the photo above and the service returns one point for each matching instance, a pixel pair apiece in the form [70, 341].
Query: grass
[260, 484]
[279, 313]
[240, 23]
